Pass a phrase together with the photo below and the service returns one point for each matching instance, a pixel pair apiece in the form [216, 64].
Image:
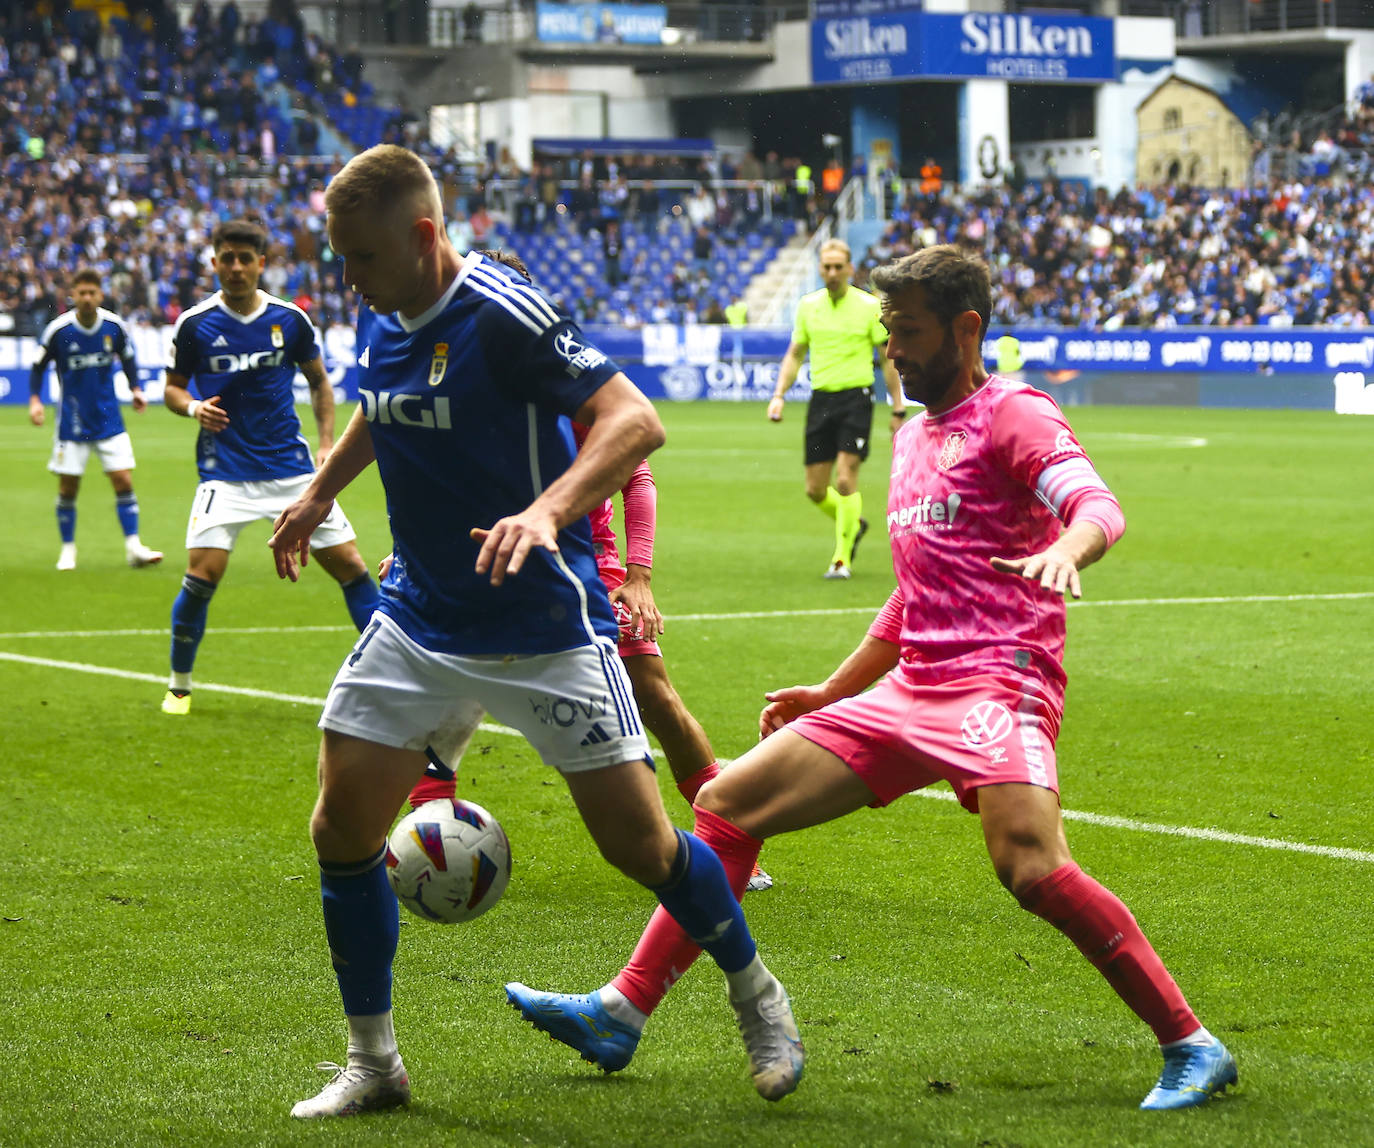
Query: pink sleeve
[1099, 507]
[640, 496]
[1031, 434]
[887, 626]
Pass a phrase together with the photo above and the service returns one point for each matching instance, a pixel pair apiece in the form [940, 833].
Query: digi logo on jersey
[579, 356]
[926, 512]
[92, 359]
[431, 412]
[247, 361]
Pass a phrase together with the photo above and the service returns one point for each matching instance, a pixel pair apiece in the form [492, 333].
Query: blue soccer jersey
[86, 360]
[250, 362]
[465, 406]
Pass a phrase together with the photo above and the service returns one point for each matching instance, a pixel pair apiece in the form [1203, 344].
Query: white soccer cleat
[356, 1089]
[140, 556]
[67, 559]
[837, 570]
[758, 881]
[770, 1034]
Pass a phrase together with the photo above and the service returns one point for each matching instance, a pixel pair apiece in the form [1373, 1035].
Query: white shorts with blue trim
[575, 707]
[70, 456]
[221, 509]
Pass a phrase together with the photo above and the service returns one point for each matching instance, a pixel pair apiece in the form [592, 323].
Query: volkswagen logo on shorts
[987, 723]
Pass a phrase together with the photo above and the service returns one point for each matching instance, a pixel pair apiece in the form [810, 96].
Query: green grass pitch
[163, 973]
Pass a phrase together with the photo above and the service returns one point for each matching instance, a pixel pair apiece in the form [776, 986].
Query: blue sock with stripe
[126, 506]
[66, 518]
[362, 921]
[188, 621]
[361, 596]
[697, 895]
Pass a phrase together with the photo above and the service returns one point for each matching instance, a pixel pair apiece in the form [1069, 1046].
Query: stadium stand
[122, 143]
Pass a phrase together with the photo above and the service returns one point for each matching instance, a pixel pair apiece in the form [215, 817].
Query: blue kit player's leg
[188, 627]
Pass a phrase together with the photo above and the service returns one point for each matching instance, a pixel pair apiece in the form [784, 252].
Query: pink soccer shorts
[905, 734]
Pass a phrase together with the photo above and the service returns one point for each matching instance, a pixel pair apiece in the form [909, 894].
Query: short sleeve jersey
[469, 409]
[86, 360]
[963, 490]
[250, 362]
[841, 337]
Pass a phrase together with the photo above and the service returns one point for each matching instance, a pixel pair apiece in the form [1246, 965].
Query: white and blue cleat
[579, 1021]
[1193, 1074]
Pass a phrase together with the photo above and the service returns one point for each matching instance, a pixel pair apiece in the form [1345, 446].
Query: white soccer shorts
[221, 509]
[575, 707]
[71, 457]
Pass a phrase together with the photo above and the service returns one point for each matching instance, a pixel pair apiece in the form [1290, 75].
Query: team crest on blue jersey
[438, 364]
[278, 339]
[109, 342]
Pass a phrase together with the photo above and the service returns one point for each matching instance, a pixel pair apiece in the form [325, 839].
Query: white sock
[750, 980]
[131, 542]
[372, 1041]
[1199, 1036]
[68, 548]
[622, 1008]
[179, 681]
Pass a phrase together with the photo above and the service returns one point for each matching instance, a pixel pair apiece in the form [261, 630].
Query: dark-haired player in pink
[993, 511]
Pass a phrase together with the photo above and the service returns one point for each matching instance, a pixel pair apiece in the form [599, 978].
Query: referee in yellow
[839, 326]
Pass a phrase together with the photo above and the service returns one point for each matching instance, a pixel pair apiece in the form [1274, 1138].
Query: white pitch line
[742, 615]
[1102, 819]
[1108, 821]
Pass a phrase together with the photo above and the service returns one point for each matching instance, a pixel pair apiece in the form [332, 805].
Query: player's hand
[1054, 572]
[385, 565]
[138, 400]
[788, 703]
[321, 455]
[775, 406]
[290, 541]
[37, 415]
[507, 544]
[211, 416]
[640, 612]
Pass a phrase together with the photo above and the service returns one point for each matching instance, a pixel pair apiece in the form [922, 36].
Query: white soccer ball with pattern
[448, 861]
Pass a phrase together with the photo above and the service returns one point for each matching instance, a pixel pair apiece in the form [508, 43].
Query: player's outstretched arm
[1056, 567]
[625, 429]
[873, 658]
[290, 541]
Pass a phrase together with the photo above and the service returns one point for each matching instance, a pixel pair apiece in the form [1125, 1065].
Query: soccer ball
[448, 861]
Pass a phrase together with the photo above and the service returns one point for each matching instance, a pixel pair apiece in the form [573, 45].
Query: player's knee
[642, 859]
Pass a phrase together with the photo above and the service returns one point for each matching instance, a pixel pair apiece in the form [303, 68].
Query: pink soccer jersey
[964, 490]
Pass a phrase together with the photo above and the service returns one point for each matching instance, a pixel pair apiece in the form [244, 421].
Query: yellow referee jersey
[840, 337]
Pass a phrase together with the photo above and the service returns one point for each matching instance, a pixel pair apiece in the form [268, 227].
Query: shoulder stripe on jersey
[111, 317]
[63, 320]
[1061, 479]
[537, 305]
[199, 309]
[506, 293]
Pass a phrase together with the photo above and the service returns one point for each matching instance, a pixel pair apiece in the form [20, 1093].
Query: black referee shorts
[839, 421]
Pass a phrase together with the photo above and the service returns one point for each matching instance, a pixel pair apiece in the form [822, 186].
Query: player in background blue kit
[84, 344]
[467, 377]
[243, 348]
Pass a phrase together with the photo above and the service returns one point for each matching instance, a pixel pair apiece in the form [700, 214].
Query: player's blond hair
[381, 178]
[837, 245]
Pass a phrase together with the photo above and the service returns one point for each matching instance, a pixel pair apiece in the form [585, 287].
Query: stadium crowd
[123, 143]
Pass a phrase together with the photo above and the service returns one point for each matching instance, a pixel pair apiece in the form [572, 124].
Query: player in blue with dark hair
[468, 376]
[84, 345]
[243, 348]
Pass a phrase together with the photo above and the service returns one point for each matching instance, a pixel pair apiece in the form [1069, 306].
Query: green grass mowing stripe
[1099, 819]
